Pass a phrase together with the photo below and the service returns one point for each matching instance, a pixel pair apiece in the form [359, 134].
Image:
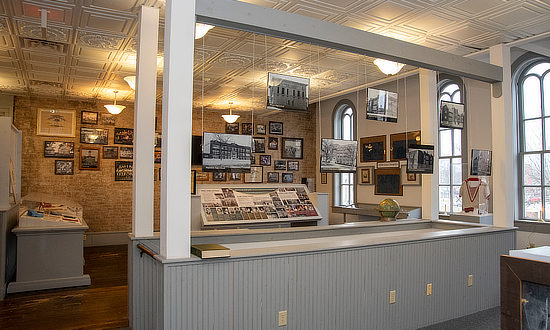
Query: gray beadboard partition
[331, 289]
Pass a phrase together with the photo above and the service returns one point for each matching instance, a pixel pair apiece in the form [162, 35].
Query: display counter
[369, 212]
[485, 219]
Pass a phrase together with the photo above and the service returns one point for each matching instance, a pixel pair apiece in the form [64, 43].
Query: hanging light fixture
[230, 118]
[131, 80]
[115, 109]
[388, 67]
[201, 30]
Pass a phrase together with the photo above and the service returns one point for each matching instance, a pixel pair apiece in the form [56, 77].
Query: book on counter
[206, 251]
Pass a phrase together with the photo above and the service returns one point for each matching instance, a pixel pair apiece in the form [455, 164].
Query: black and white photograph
[246, 128]
[256, 175]
[126, 152]
[124, 171]
[234, 176]
[338, 156]
[280, 165]
[94, 135]
[110, 152]
[124, 136]
[265, 160]
[107, 119]
[58, 149]
[293, 165]
[481, 162]
[287, 177]
[226, 152]
[273, 143]
[89, 158]
[276, 127]
[292, 148]
[64, 167]
[287, 92]
[420, 159]
[158, 139]
[219, 176]
[260, 129]
[88, 117]
[231, 128]
[452, 115]
[273, 177]
[259, 145]
[382, 105]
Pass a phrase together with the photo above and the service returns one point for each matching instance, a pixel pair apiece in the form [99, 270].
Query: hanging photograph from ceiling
[481, 162]
[226, 152]
[420, 159]
[381, 105]
[287, 92]
[452, 115]
[338, 156]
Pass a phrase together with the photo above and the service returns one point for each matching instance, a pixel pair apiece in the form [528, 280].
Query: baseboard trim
[53, 283]
[105, 238]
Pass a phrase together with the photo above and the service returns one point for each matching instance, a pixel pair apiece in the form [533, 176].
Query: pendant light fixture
[388, 67]
[115, 109]
[131, 80]
[201, 30]
[230, 118]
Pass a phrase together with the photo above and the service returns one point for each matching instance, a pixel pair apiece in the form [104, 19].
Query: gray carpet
[485, 320]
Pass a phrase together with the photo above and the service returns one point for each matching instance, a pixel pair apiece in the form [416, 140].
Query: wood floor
[103, 305]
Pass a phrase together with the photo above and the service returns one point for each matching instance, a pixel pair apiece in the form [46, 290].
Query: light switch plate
[282, 318]
[429, 289]
[392, 296]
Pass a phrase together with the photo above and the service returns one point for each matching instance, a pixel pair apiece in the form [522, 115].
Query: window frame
[338, 120]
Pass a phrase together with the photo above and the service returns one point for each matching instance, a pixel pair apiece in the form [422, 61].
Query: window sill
[533, 226]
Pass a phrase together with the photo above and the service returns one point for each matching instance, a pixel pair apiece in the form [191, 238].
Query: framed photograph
[158, 156]
[202, 176]
[94, 135]
[110, 152]
[126, 152]
[287, 177]
[89, 117]
[387, 181]
[366, 175]
[409, 179]
[324, 178]
[381, 105]
[196, 150]
[265, 160]
[293, 165]
[280, 165]
[373, 148]
[260, 129]
[158, 139]
[400, 142]
[108, 119]
[235, 176]
[481, 162]
[226, 152]
[124, 136]
[451, 115]
[253, 159]
[273, 177]
[124, 171]
[50, 122]
[259, 145]
[287, 92]
[292, 148]
[193, 182]
[420, 159]
[219, 176]
[246, 129]
[338, 156]
[273, 143]
[256, 175]
[89, 158]
[58, 149]
[392, 164]
[64, 167]
[160, 170]
[231, 128]
[276, 127]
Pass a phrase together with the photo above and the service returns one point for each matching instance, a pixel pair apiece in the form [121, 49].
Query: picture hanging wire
[319, 92]
[466, 102]
[253, 76]
[202, 95]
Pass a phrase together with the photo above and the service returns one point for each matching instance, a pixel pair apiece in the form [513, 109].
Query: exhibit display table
[485, 219]
[369, 212]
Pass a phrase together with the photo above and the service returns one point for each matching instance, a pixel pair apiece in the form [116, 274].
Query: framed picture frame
[226, 152]
[124, 136]
[89, 117]
[366, 175]
[108, 119]
[260, 129]
[409, 179]
[451, 115]
[231, 128]
[324, 178]
[287, 92]
[124, 171]
[196, 150]
[89, 158]
[158, 139]
[110, 152]
[160, 173]
[158, 156]
[126, 153]
[94, 135]
[256, 175]
[276, 127]
[258, 145]
[293, 165]
[193, 182]
[373, 148]
[382, 105]
[287, 177]
[219, 176]
[292, 148]
[265, 160]
[235, 176]
[64, 167]
[420, 159]
[280, 165]
[273, 177]
[391, 164]
[247, 129]
[387, 181]
[273, 143]
[481, 162]
[51, 122]
[58, 149]
[252, 159]
[202, 176]
[338, 156]
[400, 142]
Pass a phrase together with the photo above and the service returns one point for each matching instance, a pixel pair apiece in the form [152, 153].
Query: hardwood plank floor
[103, 305]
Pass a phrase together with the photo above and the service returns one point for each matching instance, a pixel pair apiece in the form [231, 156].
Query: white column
[144, 122]
[429, 127]
[175, 200]
[503, 133]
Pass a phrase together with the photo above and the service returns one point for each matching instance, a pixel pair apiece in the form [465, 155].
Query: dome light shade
[201, 30]
[115, 109]
[131, 80]
[388, 67]
[230, 118]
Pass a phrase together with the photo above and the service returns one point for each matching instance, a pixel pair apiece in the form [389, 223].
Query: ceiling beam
[536, 49]
[281, 24]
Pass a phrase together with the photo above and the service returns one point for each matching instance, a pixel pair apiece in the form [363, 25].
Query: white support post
[175, 200]
[503, 133]
[430, 135]
[144, 122]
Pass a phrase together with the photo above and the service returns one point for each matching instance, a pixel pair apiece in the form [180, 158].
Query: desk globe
[389, 209]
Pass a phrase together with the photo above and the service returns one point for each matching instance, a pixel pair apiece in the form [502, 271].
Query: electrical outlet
[470, 280]
[429, 289]
[282, 318]
[392, 297]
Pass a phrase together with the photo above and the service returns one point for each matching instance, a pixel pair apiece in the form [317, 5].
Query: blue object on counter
[33, 213]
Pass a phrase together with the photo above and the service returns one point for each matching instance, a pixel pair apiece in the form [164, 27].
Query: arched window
[451, 141]
[534, 140]
[344, 128]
